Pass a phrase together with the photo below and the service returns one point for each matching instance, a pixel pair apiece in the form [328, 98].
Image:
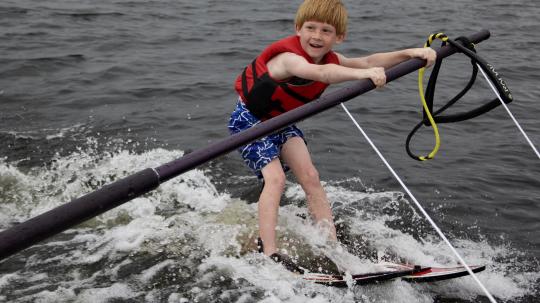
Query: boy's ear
[340, 38]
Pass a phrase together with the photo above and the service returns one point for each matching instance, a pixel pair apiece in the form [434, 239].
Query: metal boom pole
[61, 218]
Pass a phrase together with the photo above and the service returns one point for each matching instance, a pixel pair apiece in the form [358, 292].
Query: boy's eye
[327, 30]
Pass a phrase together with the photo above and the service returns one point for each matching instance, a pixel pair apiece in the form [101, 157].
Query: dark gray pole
[28, 233]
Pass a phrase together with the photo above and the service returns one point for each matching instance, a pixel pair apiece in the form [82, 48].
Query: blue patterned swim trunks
[260, 152]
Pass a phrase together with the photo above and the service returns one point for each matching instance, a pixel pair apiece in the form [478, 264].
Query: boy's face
[318, 38]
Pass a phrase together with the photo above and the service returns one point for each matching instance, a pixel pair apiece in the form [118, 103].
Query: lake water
[91, 91]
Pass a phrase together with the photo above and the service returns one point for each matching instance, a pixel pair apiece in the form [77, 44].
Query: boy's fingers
[429, 56]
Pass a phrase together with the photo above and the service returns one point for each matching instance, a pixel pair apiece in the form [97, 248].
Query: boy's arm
[287, 65]
[387, 60]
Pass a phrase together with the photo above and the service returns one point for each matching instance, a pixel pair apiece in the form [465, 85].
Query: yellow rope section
[432, 154]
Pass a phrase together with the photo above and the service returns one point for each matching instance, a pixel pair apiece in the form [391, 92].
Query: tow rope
[433, 117]
[430, 117]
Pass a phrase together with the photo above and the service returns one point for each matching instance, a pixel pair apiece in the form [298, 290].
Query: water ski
[434, 274]
[409, 273]
[360, 279]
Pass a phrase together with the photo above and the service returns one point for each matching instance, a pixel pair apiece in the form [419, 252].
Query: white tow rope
[510, 113]
[422, 210]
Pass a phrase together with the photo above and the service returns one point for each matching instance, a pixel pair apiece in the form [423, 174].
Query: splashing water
[187, 242]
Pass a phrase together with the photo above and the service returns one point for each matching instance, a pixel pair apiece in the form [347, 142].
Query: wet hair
[332, 12]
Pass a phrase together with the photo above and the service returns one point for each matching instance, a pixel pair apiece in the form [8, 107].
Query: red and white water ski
[434, 274]
[390, 271]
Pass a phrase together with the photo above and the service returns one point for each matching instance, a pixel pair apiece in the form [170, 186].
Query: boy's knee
[310, 177]
[275, 181]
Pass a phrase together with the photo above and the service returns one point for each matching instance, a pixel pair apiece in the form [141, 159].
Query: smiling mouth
[315, 45]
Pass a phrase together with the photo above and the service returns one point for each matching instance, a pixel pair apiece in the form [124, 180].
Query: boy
[287, 74]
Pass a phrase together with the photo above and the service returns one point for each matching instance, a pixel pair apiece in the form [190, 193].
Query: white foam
[16, 194]
[177, 298]
[188, 217]
[149, 273]
[105, 294]
[5, 279]
[60, 294]
[46, 133]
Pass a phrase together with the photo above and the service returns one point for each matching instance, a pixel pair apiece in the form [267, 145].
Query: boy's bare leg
[296, 155]
[274, 183]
